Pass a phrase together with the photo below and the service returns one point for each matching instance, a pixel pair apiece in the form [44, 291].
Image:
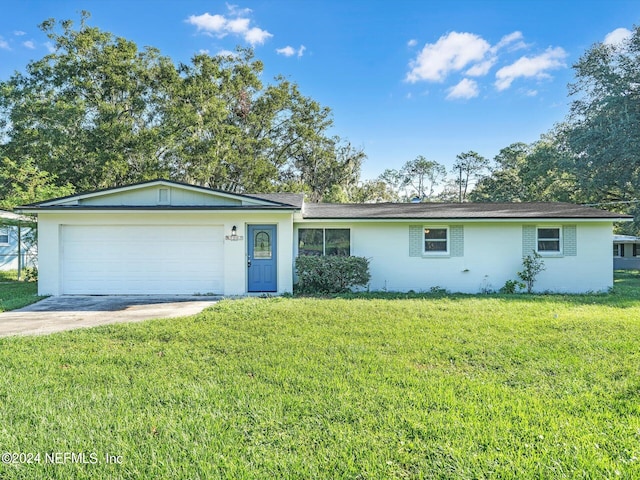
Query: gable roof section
[242, 201]
[452, 211]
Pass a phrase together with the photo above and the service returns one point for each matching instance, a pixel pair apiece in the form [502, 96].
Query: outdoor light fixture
[234, 235]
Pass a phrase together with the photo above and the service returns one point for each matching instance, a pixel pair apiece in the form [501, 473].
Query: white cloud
[529, 67]
[4, 45]
[209, 23]
[203, 51]
[619, 35]
[531, 93]
[465, 89]
[19, 33]
[256, 36]
[412, 43]
[452, 52]
[482, 68]
[238, 24]
[236, 10]
[50, 47]
[29, 44]
[289, 51]
[509, 39]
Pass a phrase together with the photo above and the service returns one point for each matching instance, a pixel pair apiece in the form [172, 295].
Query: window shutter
[528, 239]
[569, 240]
[415, 240]
[457, 240]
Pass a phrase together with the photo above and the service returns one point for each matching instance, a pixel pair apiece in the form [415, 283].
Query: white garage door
[127, 259]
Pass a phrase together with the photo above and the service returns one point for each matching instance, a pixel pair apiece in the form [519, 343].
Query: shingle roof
[293, 199]
[625, 238]
[438, 211]
[12, 216]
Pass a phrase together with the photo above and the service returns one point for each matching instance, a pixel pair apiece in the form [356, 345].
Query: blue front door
[262, 262]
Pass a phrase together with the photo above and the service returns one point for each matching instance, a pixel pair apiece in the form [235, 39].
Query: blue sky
[403, 78]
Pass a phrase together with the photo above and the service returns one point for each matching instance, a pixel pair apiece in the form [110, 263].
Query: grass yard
[14, 294]
[427, 387]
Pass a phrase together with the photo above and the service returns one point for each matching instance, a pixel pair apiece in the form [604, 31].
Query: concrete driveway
[55, 314]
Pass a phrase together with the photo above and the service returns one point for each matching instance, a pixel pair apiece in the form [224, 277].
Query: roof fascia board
[74, 199]
[164, 211]
[464, 220]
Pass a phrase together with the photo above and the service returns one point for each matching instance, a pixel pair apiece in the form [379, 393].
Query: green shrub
[331, 274]
[532, 265]
[512, 286]
[437, 290]
[31, 274]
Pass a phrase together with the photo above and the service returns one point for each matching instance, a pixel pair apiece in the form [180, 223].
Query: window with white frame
[549, 240]
[436, 240]
[4, 235]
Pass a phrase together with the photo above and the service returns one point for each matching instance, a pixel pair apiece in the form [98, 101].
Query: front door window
[262, 245]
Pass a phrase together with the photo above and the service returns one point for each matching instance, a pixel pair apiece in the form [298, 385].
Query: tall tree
[528, 173]
[603, 131]
[417, 178]
[24, 183]
[84, 111]
[469, 168]
[423, 175]
[395, 182]
[99, 112]
[505, 182]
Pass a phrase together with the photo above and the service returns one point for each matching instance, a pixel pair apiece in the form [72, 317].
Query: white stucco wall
[235, 252]
[492, 255]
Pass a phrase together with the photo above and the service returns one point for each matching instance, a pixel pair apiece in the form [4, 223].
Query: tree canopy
[99, 112]
[603, 131]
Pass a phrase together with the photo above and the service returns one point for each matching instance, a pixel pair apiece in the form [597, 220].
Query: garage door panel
[142, 259]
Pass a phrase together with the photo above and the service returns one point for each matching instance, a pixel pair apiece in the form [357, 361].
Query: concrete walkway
[55, 314]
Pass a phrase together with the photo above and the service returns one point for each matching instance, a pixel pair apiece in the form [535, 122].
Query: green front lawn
[444, 387]
[14, 294]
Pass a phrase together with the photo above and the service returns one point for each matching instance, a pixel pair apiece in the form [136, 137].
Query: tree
[21, 184]
[99, 112]
[603, 129]
[469, 168]
[395, 182]
[528, 173]
[326, 166]
[84, 113]
[372, 191]
[416, 178]
[505, 182]
[423, 175]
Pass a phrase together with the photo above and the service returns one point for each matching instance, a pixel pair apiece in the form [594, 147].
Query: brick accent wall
[528, 239]
[457, 240]
[415, 240]
[569, 240]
